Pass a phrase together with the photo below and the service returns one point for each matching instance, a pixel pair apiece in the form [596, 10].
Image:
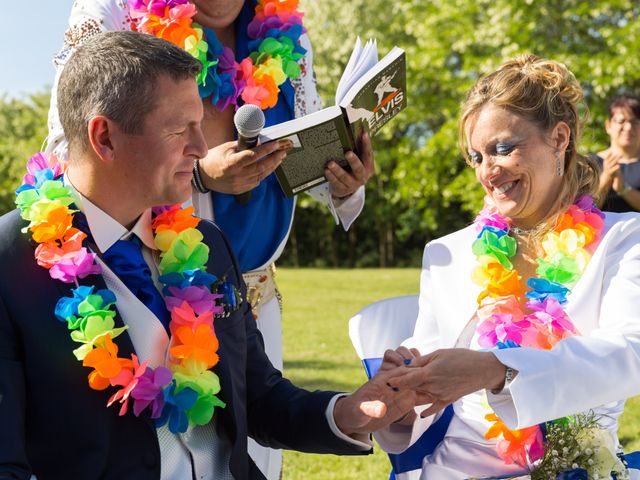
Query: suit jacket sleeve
[583, 372]
[13, 458]
[279, 414]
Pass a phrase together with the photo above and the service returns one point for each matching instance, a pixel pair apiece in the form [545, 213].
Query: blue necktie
[125, 259]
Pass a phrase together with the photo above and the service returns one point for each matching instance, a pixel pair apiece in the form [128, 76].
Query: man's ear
[101, 131]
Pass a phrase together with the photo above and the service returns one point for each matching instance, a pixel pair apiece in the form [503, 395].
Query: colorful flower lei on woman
[275, 48]
[182, 393]
[503, 323]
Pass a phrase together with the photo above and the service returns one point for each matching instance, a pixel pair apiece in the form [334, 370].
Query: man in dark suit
[131, 111]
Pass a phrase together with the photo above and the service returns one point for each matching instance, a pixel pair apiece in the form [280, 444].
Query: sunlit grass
[319, 355]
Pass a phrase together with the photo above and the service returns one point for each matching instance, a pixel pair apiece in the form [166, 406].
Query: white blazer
[602, 366]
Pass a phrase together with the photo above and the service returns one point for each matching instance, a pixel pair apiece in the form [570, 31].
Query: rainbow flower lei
[275, 48]
[182, 393]
[503, 323]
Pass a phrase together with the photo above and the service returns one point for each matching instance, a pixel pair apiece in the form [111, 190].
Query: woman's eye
[475, 158]
[504, 148]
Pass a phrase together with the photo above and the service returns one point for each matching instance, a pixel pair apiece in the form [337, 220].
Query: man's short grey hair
[115, 74]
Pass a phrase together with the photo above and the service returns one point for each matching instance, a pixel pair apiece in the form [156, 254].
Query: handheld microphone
[249, 121]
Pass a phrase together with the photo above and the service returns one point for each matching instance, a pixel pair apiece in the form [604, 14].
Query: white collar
[105, 229]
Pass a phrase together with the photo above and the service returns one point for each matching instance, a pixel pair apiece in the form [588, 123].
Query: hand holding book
[369, 94]
[345, 180]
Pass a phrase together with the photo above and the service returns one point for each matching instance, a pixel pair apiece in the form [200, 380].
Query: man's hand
[226, 170]
[373, 406]
[446, 375]
[343, 183]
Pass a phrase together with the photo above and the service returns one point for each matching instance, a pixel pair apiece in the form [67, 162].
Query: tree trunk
[293, 245]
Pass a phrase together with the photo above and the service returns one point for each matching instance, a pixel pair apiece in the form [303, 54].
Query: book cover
[370, 93]
[379, 96]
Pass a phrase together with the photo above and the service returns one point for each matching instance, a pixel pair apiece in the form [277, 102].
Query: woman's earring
[559, 171]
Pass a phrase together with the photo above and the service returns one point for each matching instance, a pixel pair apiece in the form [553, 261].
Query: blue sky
[31, 33]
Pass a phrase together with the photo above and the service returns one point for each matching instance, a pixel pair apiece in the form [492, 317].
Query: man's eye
[504, 148]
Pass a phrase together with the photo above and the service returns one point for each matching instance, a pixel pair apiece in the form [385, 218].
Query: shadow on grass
[304, 373]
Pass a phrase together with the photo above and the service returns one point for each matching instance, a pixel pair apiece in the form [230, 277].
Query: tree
[23, 129]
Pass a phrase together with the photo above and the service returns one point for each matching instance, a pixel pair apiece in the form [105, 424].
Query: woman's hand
[393, 359]
[226, 170]
[446, 375]
[343, 183]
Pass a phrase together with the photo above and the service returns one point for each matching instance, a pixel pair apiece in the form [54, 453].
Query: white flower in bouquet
[600, 446]
[579, 443]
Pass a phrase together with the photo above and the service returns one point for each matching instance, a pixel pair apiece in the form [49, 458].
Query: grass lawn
[318, 354]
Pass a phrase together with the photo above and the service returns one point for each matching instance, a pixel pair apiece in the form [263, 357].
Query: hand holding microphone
[234, 167]
[249, 121]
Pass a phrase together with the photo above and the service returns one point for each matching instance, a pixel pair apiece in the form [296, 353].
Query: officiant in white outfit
[543, 321]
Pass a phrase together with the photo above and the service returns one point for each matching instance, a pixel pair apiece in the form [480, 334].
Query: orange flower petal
[97, 382]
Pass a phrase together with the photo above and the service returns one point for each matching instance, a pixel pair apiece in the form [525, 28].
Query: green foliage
[23, 128]
[423, 188]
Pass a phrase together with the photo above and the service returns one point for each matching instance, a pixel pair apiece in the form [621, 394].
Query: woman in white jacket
[531, 314]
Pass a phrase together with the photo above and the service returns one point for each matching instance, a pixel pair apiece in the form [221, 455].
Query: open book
[370, 93]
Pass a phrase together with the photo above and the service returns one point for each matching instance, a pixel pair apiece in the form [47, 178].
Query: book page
[346, 78]
[357, 67]
[317, 138]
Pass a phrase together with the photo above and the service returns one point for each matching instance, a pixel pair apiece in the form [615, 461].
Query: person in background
[543, 323]
[230, 32]
[619, 188]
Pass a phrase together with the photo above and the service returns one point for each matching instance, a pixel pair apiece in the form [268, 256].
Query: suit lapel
[125, 346]
[229, 415]
[231, 335]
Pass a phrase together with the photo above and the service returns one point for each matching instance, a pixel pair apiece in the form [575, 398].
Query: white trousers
[269, 460]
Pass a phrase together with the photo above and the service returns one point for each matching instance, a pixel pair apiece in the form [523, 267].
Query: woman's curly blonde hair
[544, 92]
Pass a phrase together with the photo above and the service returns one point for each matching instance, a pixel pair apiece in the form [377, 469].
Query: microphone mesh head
[249, 120]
